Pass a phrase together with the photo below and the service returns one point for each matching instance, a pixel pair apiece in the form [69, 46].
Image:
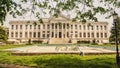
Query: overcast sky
[28, 17]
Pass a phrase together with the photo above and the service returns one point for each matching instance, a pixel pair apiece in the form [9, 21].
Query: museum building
[61, 30]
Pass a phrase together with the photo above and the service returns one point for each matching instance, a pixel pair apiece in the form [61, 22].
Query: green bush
[83, 41]
[37, 41]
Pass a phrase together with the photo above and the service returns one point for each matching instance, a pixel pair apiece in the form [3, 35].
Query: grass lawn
[60, 60]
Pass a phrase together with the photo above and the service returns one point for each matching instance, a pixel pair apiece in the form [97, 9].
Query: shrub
[37, 41]
[83, 41]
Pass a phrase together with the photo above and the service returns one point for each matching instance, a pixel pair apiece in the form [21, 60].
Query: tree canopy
[83, 9]
[3, 34]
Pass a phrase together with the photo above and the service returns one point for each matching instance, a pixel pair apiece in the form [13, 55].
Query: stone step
[59, 41]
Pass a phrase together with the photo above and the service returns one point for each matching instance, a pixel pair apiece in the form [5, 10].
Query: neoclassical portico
[60, 28]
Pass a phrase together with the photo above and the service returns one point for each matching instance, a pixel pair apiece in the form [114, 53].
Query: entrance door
[60, 34]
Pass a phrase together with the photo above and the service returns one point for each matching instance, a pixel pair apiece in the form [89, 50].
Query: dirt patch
[13, 66]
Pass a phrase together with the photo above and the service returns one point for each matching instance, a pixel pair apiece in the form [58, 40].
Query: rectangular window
[43, 31]
[34, 26]
[105, 35]
[30, 26]
[26, 26]
[64, 26]
[30, 34]
[105, 27]
[101, 27]
[97, 35]
[43, 35]
[16, 34]
[84, 35]
[48, 26]
[71, 26]
[84, 27]
[20, 26]
[16, 27]
[20, 34]
[55, 25]
[43, 26]
[88, 34]
[52, 26]
[48, 31]
[12, 34]
[12, 27]
[26, 34]
[101, 35]
[97, 27]
[38, 26]
[34, 35]
[47, 35]
[92, 35]
[80, 34]
[92, 28]
[38, 34]
[88, 27]
[80, 27]
[75, 26]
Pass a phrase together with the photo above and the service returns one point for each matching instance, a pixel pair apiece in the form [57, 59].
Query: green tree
[3, 34]
[112, 36]
[9, 7]
[83, 9]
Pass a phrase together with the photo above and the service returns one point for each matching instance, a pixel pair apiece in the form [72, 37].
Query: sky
[29, 17]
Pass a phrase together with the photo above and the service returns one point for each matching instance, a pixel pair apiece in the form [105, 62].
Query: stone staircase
[59, 41]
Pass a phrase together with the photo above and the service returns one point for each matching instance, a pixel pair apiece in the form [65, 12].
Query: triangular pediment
[59, 18]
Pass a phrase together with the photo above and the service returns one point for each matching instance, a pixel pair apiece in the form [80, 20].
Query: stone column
[54, 30]
[73, 30]
[69, 30]
[50, 27]
[57, 30]
[41, 31]
[23, 31]
[65, 30]
[45, 30]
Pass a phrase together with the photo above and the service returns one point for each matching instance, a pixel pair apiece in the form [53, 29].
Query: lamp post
[115, 21]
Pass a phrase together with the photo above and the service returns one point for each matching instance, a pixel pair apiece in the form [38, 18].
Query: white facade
[59, 28]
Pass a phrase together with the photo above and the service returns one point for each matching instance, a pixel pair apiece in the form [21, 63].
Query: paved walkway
[59, 49]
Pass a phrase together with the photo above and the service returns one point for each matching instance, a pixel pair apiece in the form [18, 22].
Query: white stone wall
[68, 29]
